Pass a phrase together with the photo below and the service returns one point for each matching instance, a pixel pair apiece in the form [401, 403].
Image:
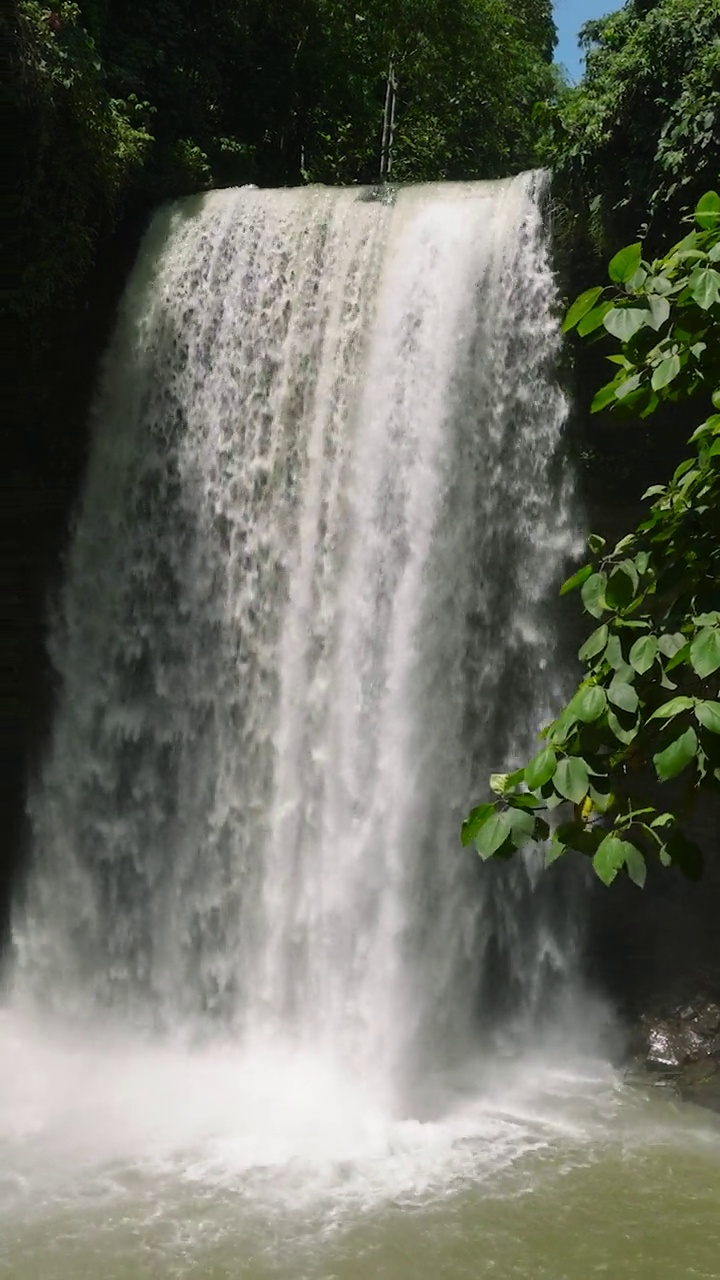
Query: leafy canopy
[646, 716]
[638, 141]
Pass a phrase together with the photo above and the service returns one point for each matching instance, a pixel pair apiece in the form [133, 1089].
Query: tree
[636, 144]
[646, 717]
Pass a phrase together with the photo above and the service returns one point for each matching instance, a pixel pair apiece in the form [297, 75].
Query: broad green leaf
[593, 319]
[679, 658]
[629, 385]
[593, 594]
[580, 308]
[522, 826]
[493, 834]
[658, 284]
[670, 762]
[614, 654]
[555, 850]
[659, 311]
[708, 713]
[603, 803]
[474, 822]
[673, 708]
[625, 263]
[670, 643]
[624, 322]
[576, 580]
[602, 398]
[571, 779]
[643, 654]
[594, 644]
[705, 652]
[623, 696]
[589, 703]
[626, 736]
[704, 285]
[635, 864]
[711, 619]
[663, 820]
[707, 211]
[621, 585]
[665, 372]
[541, 768]
[716, 398]
[642, 561]
[609, 858]
[654, 491]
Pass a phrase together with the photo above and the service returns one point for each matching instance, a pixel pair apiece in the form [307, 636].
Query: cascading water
[263, 1003]
[305, 614]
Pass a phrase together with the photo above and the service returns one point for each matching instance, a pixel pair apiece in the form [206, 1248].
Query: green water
[581, 1177]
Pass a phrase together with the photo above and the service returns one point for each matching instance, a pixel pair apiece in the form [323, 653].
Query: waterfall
[307, 609]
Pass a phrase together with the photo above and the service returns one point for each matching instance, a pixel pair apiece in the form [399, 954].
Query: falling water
[268, 1019]
[306, 610]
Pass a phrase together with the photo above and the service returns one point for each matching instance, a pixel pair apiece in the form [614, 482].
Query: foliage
[81, 146]
[646, 716]
[638, 141]
[124, 104]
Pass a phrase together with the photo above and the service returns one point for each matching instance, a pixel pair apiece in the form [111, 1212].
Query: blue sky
[570, 16]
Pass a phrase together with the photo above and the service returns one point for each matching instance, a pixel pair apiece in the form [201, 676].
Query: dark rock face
[682, 1049]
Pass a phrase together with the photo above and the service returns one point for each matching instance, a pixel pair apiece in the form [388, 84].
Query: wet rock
[681, 1049]
[670, 1047]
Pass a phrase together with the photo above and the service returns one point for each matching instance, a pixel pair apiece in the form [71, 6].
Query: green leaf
[707, 211]
[580, 308]
[522, 826]
[670, 762]
[594, 644]
[711, 619]
[589, 703]
[635, 864]
[593, 594]
[623, 695]
[621, 586]
[665, 372]
[593, 319]
[624, 322]
[554, 851]
[576, 580]
[541, 768]
[602, 398]
[643, 654]
[659, 311]
[708, 713]
[681, 656]
[670, 643]
[629, 385]
[704, 285]
[705, 652]
[673, 708]
[625, 263]
[474, 821]
[610, 857]
[596, 543]
[571, 779]
[663, 820]
[493, 834]
[626, 736]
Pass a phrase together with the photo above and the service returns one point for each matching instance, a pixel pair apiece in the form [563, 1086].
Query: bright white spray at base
[306, 612]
